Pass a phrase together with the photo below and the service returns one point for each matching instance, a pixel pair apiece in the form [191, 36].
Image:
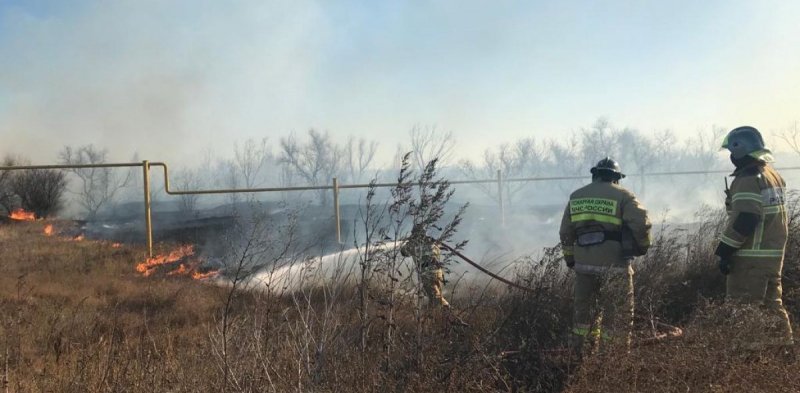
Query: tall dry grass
[76, 317]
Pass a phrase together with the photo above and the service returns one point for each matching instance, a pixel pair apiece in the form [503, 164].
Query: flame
[78, 238]
[22, 215]
[116, 245]
[149, 266]
[48, 230]
[202, 276]
[188, 264]
[180, 270]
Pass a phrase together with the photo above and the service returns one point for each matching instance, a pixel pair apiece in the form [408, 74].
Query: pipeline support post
[147, 218]
[336, 212]
[500, 198]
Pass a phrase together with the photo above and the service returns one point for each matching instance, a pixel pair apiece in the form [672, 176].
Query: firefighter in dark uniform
[428, 258]
[752, 245]
[604, 226]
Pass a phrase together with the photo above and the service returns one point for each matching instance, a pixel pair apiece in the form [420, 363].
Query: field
[76, 316]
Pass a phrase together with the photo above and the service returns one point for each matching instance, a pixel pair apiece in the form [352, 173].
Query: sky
[168, 79]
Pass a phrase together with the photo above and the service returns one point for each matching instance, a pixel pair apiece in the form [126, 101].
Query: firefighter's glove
[724, 253]
[724, 265]
[570, 260]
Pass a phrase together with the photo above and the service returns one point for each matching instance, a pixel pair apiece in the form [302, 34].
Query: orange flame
[48, 230]
[180, 270]
[149, 266]
[202, 276]
[78, 238]
[22, 215]
[116, 245]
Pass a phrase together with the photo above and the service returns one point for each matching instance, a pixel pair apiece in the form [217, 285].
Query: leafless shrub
[40, 190]
[8, 199]
[98, 186]
[188, 180]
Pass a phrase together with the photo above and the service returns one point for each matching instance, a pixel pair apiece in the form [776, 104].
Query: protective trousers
[603, 307]
[757, 282]
[432, 280]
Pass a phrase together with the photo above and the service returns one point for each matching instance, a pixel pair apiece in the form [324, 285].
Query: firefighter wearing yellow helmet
[428, 260]
[604, 226]
[751, 247]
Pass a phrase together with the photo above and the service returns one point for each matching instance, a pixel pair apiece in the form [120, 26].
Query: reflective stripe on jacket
[758, 190]
[608, 207]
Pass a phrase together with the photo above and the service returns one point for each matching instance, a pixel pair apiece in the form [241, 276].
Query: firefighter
[428, 258]
[603, 228]
[751, 247]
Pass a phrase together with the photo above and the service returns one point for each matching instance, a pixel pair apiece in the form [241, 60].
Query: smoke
[169, 79]
[164, 79]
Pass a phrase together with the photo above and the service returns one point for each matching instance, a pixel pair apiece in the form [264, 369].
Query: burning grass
[22, 215]
[181, 261]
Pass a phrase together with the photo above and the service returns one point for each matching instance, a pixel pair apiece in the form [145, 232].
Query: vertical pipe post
[500, 198]
[147, 221]
[336, 213]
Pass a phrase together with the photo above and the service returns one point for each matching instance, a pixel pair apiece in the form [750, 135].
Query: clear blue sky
[160, 76]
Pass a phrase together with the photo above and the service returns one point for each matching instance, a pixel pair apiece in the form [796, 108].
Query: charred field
[77, 316]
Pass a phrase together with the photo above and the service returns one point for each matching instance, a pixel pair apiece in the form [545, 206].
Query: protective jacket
[428, 257]
[598, 219]
[425, 253]
[757, 225]
[753, 242]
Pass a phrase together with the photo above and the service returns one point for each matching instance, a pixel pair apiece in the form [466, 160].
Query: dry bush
[40, 191]
[532, 328]
[679, 271]
[8, 200]
[710, 358]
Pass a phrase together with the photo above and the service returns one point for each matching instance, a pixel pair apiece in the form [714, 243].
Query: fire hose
[671, 331]
[484, 270]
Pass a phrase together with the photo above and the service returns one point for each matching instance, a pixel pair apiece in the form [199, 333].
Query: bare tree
[316, 161]
[98, 186]
[522, 159]
[703, 150]
[359, 156]
[599, 141]
[40, 190]
[394, 166]
[229, 178]
[428, 143]
[185, 180]
[251, 159]
[566, 160]
[8, 199]
[791, 137]
[642, 151]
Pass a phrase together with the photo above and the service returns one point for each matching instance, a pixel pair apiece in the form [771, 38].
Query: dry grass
[76, 317]
[703, 361]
